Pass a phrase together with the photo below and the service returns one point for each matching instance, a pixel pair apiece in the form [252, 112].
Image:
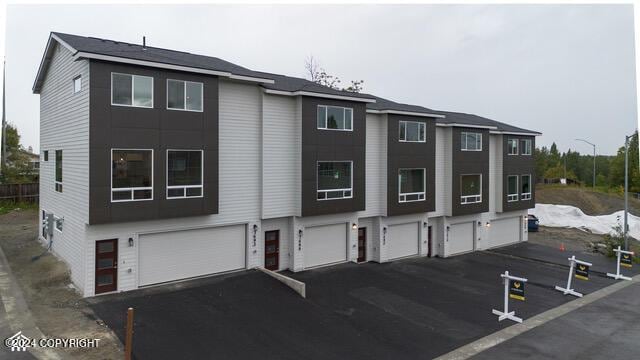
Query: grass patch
[9, 206]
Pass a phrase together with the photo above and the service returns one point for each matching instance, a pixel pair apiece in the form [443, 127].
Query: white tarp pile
[572, 217]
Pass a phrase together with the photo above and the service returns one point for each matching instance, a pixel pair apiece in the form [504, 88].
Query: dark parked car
[533, 223]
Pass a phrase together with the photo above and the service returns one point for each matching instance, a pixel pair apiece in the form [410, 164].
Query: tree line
[552, 164]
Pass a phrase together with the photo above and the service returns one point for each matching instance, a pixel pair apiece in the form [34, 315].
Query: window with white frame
[335, 180]
[58, 170]
[131, 90]
[512, 188]
[526, 147]
[335, 118]
[77, 84]
[411, 185]
[59, 222]
[184, 173]
[470, 141]
[184, 95]
[131, 175]
[512, 147]
[525, 194]
[470, 189]
[412, 131]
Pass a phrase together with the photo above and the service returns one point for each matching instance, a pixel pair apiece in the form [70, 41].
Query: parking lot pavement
[415, 308]
[606, 328]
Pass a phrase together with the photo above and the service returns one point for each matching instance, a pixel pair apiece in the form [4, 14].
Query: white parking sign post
[568, 290]
[627, 254]
[519, 283]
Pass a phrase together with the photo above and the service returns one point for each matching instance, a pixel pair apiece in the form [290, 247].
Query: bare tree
[319, 75]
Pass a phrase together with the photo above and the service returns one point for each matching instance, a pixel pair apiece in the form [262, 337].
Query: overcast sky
[567, 71]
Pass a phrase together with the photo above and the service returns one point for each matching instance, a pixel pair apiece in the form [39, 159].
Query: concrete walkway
[15, 316]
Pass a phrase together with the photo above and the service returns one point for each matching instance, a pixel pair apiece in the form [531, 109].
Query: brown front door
[106, 266]
[362, 244]
[272, 250]
[429, 237]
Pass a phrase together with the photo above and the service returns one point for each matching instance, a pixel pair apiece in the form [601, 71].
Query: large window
[512, 188]
[412, 131]
[526, 147]
[335, 180]
[184, 95]
[512, 147]
[470, 141]
[526, 187]
[131, 90]
[184, 173]
[59, 170]
[335, 118]
[411, 183]
[131, 175]
[470, 189]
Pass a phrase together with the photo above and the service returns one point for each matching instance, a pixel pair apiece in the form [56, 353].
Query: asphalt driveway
[414, 308]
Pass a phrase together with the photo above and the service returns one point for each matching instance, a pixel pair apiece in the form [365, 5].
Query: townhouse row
[159, 165]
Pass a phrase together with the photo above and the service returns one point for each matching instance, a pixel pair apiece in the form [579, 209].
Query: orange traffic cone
[561, 247]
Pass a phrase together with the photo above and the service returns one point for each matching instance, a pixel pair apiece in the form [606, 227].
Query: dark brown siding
[469, 162]
[331, 145]
[518, 165]
[410, 155]
[158, 129]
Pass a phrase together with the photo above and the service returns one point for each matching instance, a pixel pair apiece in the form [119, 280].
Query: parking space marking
[503, 335]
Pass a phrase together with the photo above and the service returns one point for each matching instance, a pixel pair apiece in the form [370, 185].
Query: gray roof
[119, 49]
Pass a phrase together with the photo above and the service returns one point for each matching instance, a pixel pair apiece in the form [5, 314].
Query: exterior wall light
[488, 224]
[479, 223]
[130, 242]
[354, 226]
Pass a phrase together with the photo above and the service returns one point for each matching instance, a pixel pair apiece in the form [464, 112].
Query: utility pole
[626, 191]
[594, 160]
[3, 156]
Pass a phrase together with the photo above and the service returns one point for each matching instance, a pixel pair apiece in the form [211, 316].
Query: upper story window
[184, 95]
[512, 188]
[335, 118]
[512, 147]
[131, 90]
[77, 84]
[59, 170]
[184, 173]
[335, 180]
[411, 184]
[470, 188]
[526, 187]
[526, 147]
[412, 131]
[131, 175]
[470, 141]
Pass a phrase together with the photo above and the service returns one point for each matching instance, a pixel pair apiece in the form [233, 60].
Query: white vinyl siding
[280, 157]
[185, 254]
[64, 125]
[376, 166]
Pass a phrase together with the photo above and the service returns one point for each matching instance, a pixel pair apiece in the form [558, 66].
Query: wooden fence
[19, 192]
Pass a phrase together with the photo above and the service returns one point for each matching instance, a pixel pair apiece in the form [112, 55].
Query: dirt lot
[571, 239]
[58, 310]
[589, 201]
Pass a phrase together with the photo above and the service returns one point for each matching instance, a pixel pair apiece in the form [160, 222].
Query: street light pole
[594, 160]
[626, 191]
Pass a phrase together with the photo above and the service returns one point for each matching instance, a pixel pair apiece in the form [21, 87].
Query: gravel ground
[571, 239]
[58, 309]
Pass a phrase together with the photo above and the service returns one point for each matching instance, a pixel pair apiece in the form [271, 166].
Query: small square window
[46, 155]
[77, 84]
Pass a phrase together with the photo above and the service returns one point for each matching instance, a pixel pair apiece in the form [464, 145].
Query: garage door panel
[402, 240]
[183, 254]
[325, 244]
[504, 232]
[461, 238]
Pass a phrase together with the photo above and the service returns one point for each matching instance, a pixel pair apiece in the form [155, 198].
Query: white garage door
[183, 254]
[460, 238]
[403, 240]
[504, 231]
[325, 245]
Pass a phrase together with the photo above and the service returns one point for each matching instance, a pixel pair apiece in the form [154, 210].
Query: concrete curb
[487, 342]
[297, 286]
